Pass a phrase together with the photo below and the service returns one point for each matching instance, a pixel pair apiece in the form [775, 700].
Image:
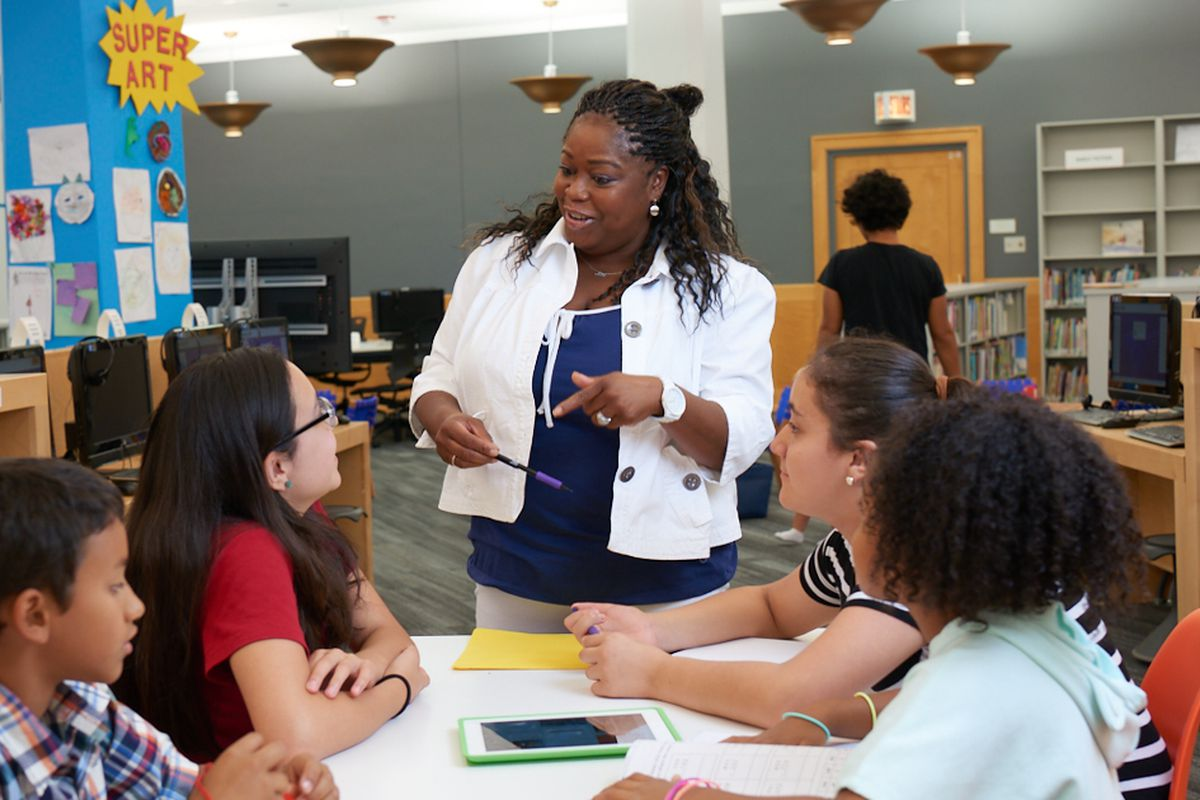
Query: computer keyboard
[1091, 416]
[1165, 435]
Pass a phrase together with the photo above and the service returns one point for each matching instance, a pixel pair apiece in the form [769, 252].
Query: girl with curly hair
[616, 340]
[993, 520]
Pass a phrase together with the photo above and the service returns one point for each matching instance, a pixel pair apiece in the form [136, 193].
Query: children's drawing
[159, 141]
[172, 258]
[135, 281]
[76, 299]
[29, 295]
[59, 150]
[171, 196]
[74, 201]
[131, 197]
[30, 232]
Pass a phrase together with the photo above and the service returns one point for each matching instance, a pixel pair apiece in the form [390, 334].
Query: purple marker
[549, 480]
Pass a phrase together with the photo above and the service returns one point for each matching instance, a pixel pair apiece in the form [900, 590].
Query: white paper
[30, 228]
[172, 258]
[131, 197]
[29, 296]
[1187, 143]
[74, 202]
[135, 280]
[763, 770]
[58, 152]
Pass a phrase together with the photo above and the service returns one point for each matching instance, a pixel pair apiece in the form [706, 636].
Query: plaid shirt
[87, 745]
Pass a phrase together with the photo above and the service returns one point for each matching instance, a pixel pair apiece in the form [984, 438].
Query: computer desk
[1163, 502]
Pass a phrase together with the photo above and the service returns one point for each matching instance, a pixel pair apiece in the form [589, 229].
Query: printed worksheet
[769, 770]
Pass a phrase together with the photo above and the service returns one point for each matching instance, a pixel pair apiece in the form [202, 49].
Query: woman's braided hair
[693, 225]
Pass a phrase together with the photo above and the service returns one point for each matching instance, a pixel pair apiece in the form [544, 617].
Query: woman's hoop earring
[654, 209]
[849, 480]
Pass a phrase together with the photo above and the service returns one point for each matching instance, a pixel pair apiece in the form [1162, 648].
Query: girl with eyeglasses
[258, 617]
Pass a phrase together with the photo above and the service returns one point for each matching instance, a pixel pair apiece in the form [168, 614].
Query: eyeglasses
[328, 416]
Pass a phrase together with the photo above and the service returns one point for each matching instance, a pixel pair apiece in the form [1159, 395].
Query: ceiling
[267, 28]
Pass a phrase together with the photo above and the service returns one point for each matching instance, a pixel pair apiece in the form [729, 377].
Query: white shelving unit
[989, 323]
[1073, 204]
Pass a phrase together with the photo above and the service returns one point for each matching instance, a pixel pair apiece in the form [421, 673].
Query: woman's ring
[602, 419]
[454, 460]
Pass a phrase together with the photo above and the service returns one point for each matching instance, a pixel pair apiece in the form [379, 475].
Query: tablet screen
[531, 734]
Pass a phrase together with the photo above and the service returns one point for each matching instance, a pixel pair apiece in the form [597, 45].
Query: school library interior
[526, 396]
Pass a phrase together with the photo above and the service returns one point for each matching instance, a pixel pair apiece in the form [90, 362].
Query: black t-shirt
[886, 288]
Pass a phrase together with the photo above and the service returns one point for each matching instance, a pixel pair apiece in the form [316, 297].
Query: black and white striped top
[827, 576]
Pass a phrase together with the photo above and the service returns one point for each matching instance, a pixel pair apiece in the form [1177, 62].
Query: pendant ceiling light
[837, 19]
[550, 89]
[964, 60]
[232, 115]
[343, 56]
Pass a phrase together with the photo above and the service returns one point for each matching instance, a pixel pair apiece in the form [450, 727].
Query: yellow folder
[493, 649]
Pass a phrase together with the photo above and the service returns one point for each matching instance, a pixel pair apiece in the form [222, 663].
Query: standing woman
[614, 340]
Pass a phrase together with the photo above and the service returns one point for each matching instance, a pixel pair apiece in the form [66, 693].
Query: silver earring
[654, 209]
[849, 480]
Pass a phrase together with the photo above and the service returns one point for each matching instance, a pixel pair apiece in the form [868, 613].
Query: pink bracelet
[684, 784]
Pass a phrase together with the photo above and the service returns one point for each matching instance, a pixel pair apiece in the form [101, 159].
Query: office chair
[1172, 686]
[1154, 548]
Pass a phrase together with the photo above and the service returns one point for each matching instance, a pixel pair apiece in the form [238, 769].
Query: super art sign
[149, 58]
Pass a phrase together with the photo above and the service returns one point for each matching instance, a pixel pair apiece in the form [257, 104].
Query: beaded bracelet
[684, 784]
[407, 686]
[871, 705]
[797, 715]
[200, 782]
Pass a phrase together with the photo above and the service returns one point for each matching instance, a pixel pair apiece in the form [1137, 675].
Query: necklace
[595, 271]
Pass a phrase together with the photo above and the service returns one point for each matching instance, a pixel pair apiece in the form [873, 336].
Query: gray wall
[434, 140]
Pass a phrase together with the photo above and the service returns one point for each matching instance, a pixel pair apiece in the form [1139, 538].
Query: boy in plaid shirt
[67, 618]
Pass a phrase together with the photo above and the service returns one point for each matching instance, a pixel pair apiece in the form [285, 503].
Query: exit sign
[898, 105]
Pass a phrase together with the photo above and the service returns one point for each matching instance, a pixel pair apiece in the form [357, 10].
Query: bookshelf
[1145, 190]
[989, 322]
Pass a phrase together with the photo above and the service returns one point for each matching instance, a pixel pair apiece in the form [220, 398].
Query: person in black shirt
[883, 286]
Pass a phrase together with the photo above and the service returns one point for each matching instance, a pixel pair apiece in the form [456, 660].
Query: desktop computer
[1143, 361]
[410, 319]
[271, 332]
[110, 386]
[183, 347]
[16, 360]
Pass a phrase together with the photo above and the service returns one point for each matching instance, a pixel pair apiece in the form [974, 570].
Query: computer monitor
[1143, 350]
[305, 280]
[271, 333]
[110, 386]
[410, 319]
[183, 347]
[15, 360]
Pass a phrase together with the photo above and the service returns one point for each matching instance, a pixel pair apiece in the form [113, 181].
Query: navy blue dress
[557, 549]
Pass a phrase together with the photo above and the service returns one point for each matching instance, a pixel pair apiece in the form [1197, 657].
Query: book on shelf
[1066, 335]
[1063, 286]
[1187, 142]
[999, 360]
[1066, 382]
[1123, 237]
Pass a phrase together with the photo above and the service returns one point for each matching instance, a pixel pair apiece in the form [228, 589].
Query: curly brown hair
[693, 224]
[993, 502]
[877, 201]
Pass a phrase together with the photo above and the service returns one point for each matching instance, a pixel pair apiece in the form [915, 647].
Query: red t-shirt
[249, 598]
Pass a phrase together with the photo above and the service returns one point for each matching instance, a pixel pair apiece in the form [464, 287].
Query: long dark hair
[693, 225]
[202, 467]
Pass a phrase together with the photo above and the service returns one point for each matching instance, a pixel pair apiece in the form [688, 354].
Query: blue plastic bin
[754, 490]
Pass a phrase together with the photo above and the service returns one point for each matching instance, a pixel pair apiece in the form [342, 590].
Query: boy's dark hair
[877, 201]
[47, 509]
[994, 502]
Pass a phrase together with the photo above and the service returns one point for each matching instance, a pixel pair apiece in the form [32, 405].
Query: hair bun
[686, 96]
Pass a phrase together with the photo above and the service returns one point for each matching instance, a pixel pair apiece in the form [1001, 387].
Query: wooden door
[936, 223]
[943, 168]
